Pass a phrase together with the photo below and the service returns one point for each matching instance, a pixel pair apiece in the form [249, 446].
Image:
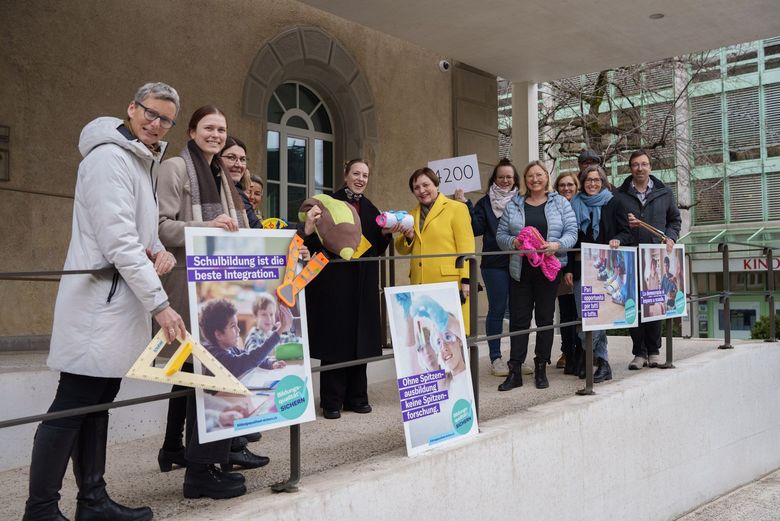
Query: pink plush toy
[530, 239]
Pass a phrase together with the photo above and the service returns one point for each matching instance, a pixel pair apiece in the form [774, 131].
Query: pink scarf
[530, 239]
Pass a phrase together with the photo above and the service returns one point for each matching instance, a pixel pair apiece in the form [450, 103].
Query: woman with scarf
[342, 303]
[531, 292]
[495, 268]
[194, 190]
[441, 225]
[233, 158]
[595, 213]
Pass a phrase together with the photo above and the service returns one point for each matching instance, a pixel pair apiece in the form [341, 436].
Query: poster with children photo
[662, 286]
[609, 287]
[232, 289]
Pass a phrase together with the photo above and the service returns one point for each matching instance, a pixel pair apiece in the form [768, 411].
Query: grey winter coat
[561, 227]
[114, 222]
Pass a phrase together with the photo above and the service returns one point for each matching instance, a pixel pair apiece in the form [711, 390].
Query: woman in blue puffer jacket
[530, 291]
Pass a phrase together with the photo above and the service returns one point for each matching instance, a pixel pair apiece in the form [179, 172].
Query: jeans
[599, 337]
[497, 287]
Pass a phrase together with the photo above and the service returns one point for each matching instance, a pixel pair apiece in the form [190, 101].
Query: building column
[525, 123]
[683, 161]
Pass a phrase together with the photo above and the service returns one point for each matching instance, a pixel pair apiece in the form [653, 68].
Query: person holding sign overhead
[485, 214]
[531, 292]
[441, 225]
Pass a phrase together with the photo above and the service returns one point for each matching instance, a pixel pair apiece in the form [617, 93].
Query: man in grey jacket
[102, 320]
[643, 197]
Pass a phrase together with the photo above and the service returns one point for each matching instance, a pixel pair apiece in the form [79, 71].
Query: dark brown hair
[202, 112]
[348, 164]
[215, 316]
[232, 141]
[505, 162]
[638, 153]
[427, 172]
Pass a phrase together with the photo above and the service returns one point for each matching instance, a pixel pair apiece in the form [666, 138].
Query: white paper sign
[457, 172]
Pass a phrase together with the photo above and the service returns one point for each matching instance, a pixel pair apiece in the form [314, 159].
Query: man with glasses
[643, 197]
[102, 319]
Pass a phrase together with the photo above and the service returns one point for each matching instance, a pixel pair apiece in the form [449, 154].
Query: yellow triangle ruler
[223, 380]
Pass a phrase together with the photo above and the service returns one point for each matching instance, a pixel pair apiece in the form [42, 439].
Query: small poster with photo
[662, 288]
[432, 365]
[232, 281]
[609, 287]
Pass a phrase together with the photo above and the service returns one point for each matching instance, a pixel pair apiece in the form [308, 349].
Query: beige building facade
[64, 63]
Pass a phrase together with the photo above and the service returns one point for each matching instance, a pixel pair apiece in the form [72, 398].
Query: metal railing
[387, 273]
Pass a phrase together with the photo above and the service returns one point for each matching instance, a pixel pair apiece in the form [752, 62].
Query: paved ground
[134, 478]
[757, 501]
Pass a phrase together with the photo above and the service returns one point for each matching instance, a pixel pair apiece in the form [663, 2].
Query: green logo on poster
[630, 309]
[291, 397]
[462, 416]
[679, 302]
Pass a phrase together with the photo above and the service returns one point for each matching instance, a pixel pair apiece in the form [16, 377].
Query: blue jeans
[497, 287]
[599, 337]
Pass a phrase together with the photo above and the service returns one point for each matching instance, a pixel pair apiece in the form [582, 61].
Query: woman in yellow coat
[441, 225]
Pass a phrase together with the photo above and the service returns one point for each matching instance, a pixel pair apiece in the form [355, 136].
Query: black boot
[603, 371]
[540, 374]
[89, 466]
[207, 480]
[245, 459]
[168, 458]
[51, 451]
[514, 378]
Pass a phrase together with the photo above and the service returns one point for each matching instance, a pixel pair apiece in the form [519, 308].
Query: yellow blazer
[447, 228]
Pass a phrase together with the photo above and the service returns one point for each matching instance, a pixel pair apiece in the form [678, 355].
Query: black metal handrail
[473, 339]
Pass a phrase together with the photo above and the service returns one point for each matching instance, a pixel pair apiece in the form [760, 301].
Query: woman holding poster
[495, 269]
[441, 225]
[531, 292]
[194, 190]
[594, 208]
[342, 303]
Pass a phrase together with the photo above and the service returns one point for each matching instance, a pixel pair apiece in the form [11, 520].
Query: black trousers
[77, 390]
[646, 338]
[348, 386]
[532, 295]
[569, 337]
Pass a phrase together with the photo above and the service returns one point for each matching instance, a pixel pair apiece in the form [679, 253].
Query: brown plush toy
[339, 226]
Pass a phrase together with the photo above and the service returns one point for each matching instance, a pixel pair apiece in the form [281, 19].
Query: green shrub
[760, 329]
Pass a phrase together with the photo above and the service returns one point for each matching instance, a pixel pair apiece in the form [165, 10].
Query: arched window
[300, 149]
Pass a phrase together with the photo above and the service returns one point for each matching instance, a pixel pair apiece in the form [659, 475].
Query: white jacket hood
[104, 130]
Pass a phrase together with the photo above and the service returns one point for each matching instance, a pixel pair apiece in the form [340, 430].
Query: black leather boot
[540, 374]
[514, 378]
[603, 371]
[168, 458]
[89, 466]
[245, 459]
[581, 364]
[202, 480]
[51, 451]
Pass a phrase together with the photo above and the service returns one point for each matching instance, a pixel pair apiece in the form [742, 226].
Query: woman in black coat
[342, 304]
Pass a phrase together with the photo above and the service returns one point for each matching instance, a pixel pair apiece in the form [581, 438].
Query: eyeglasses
[151, 115]
[234, 158]
[638, 165]
[596, 181]
[566, 185]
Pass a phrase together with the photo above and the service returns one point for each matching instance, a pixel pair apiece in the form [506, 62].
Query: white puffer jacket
[114, 222]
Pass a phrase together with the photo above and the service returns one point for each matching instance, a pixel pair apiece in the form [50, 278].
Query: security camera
[444, 65]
